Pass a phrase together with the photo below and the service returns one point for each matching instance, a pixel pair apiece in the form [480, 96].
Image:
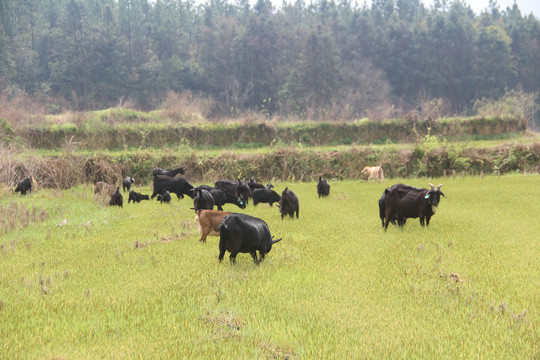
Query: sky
[526, 6]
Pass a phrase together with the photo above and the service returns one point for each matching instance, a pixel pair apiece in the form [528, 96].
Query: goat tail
[276, 241]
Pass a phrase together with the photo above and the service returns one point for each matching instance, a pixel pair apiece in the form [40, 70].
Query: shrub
[514, 104]
[7, 135]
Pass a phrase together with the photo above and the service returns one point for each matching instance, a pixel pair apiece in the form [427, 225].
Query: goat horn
[432, 186]
[439, 186]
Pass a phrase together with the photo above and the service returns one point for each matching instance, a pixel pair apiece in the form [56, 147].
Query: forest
[322, 59]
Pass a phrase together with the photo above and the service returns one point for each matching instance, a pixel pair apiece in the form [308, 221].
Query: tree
[364, 89]
[257, 58]
[7, 66]
[451, 54]
[525, 48]
[69, 72]
[315, 80]
[218, 58]
[493, 62]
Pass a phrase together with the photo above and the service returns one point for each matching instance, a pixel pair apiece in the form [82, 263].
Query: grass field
[135, 282]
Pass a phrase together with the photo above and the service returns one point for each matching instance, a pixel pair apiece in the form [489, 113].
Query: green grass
[135, 282]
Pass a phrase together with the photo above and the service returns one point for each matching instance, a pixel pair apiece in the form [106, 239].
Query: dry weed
[185, 107]
[272, 351]
[15, 216]
[224, 325]
[21, 110]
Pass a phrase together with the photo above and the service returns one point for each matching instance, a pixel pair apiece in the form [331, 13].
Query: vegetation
[91, 281]
[429, 156]
[67, 149]
[97, 134]
[317, 60]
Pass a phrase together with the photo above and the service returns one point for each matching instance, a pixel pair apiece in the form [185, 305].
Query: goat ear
[442, 193]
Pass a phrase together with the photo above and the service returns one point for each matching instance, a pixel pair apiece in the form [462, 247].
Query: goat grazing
[245, 234]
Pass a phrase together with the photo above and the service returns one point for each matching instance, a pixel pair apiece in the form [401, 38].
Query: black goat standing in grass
[288, 204]
[25, 185]
[126, 184]
[116, 198]
[323, 188]
[165, 198]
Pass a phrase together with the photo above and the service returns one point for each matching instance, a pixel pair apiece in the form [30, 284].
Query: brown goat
[209, 221]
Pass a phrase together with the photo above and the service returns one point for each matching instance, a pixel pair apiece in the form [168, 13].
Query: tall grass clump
[21, 110]
[16, 216]
[186, 107]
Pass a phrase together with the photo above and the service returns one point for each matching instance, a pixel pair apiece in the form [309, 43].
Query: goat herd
[247, 234]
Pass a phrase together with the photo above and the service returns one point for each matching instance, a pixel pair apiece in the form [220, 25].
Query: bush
[7, 135]
[514, 104]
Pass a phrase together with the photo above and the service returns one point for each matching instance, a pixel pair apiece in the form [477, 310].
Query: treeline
[322, 59]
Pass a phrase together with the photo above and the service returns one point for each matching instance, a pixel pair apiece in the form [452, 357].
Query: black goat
[265, 196]
[241, 233]
[25, 185]
[176, 185]
[116, 198]
[202, 199]
[401, 204]
[165, 197]
[401, 190]
[171, 173]
[288, 204]
[323, 188]
[137, 197]
[222, 197]
[126, 184]
[253, 185]
[238, 188]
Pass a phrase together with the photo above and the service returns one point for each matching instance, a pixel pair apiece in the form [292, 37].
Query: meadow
[82, 280]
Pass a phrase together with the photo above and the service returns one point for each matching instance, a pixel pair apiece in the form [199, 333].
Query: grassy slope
[337, 286]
